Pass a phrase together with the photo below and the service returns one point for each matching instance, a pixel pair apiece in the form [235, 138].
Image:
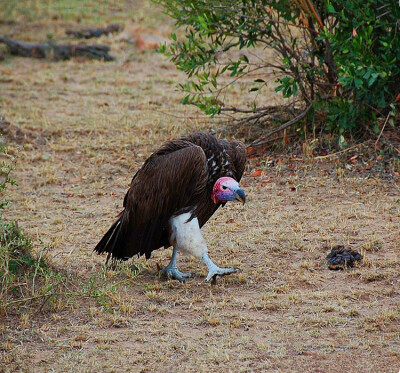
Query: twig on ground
[274, 140]
[179, 116]
[383, 127]
[257, 110]
[43, 303]
[263, 139]
[337, 153]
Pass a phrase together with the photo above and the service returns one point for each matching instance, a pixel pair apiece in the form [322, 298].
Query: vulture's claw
[175, 274]
[217, 271]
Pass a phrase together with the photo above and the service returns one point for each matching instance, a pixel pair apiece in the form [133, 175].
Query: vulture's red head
[227, 189]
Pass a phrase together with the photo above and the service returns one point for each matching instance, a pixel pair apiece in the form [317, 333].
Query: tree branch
[262, 140]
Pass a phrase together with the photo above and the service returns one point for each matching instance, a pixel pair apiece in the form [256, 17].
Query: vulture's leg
[214, 270]
[172, 271]
[187, 236]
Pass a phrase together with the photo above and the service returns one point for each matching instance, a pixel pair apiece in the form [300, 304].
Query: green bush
[365, 46]
[30, 283]
[27, 282]
[15, 252]
[337, 57]
[24, 277]
[5, 179]
[15, 259]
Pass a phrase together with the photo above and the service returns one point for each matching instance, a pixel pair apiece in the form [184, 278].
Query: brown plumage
[178, 178]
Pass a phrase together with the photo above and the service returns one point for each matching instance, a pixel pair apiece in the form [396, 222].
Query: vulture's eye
[224, 187]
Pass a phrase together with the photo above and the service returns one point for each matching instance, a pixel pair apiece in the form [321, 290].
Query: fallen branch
[256, 110]
[253, 118]
[88, 33]
[56, 52]
[263, 139]
[383, 127]
[338, 153]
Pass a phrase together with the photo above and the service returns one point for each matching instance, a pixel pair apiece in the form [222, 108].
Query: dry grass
[89, 125]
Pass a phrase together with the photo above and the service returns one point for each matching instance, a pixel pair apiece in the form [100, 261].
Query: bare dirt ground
[87, 126]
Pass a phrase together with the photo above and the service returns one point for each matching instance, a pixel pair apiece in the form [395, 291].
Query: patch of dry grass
[89, 125]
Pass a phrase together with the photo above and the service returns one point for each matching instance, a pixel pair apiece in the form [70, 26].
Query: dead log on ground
[94, 32]
[57, 52]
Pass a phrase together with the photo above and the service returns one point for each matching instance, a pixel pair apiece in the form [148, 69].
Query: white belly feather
[186, 235]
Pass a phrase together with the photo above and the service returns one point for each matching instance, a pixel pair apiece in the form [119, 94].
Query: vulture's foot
[214, 270]
[175, 274]
[217, 271]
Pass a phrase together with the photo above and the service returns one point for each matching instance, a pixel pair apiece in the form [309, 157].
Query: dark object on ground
[88, 33]
[341, 257]
[57, 52]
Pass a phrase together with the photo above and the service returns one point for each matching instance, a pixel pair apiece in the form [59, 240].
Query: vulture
[176, 191]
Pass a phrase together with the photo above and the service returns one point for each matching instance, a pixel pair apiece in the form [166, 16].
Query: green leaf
[214, 81]
[330, 8]
[367, 74]
[244, 58]
[186, 100]
[372, 80]
[358, 83]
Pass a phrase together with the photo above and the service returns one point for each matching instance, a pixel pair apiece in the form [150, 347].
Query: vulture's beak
[240, 196]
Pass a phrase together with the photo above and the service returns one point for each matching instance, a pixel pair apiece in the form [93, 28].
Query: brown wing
[238, 154]
[171, 181]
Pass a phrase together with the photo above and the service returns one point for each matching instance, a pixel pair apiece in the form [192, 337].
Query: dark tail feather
[109, 242]
[122, 241]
